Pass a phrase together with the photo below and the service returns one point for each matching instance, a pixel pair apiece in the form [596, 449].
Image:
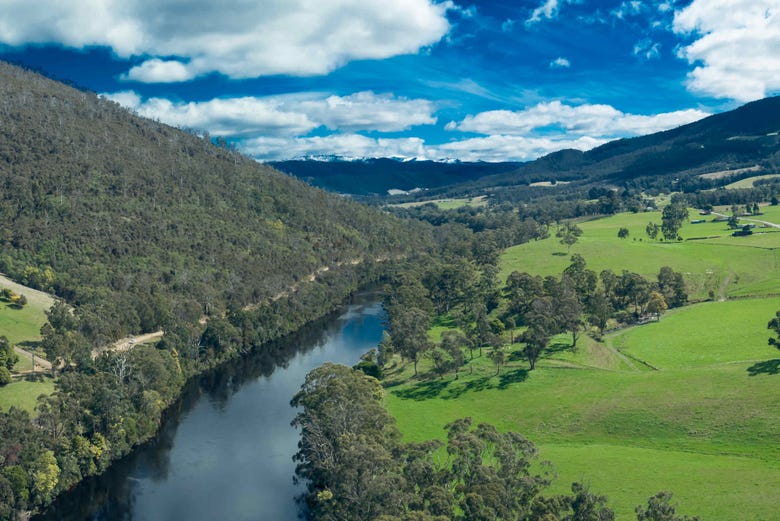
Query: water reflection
[225, 449]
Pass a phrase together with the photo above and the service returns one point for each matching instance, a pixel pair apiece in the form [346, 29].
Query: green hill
[140, 224]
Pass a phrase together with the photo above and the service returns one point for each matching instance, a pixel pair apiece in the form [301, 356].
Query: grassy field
[21, 326]
[704, 425]
[710, 258]
[24, 394]
[687, 404]
[449, 204]
[748, 182]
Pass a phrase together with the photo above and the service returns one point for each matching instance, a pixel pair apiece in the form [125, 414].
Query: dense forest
[137, 227]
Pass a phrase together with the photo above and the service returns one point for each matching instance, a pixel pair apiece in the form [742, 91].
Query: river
[225, 449]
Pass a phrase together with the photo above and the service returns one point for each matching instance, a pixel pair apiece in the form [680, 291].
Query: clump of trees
[552, 305]
[355, 467]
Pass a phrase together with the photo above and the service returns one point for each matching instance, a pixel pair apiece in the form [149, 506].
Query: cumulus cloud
[508, 148]
[590, 120]
[560, 63]
[241, 39]
[342, 145]
[491, 148]
[736, 47]
[285, 115]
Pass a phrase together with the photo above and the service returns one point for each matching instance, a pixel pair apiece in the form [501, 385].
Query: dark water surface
[225, 450]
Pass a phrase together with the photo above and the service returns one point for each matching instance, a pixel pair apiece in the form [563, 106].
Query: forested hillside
[136, 222]
[140, 227]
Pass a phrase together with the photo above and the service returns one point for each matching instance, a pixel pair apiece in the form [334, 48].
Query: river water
[225, 450]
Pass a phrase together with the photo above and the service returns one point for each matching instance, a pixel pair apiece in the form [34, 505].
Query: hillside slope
[137, 223]
[744, 137]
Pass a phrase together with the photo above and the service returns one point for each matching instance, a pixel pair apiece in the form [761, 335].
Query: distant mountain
[377, 176]
[744, 137]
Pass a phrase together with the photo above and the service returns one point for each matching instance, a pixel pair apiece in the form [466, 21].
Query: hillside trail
[767, 223]
[40, 363]
[630, 363]
[127, 343]
[722, 289]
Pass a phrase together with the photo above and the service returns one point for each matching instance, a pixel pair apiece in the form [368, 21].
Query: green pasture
[710, 258]
[704, 334]
[24, 393]
[449, 204]
[23, 324]
[703, 426]
[748, 182]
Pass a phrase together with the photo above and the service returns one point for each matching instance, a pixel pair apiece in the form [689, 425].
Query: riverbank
[152, 379]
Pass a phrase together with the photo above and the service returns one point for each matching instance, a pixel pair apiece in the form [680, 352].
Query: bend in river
[225, 449]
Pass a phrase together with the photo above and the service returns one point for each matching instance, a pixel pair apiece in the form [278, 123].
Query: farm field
[21, 327]
[449, 204]
[704, 425]
[748, 182]
[688, 404]
[709, 257]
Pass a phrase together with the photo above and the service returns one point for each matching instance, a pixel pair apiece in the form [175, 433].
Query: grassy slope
[748, 182]
[749, 264]
[24, 394]
[19, 326]
[704, 425]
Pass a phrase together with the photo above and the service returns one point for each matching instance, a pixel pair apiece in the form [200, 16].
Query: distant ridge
[377, 176]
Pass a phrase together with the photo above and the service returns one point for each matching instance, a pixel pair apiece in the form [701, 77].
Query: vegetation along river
[225, 449]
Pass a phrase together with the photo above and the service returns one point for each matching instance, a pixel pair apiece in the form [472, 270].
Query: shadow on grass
[29, 344]
[560, 253]
[558, 347]
[423, 390]
[436, 388]
[768, 367]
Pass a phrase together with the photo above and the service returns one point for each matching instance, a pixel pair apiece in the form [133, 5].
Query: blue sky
[455, 79]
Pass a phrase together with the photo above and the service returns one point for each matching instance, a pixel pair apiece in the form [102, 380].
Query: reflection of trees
[112, 495]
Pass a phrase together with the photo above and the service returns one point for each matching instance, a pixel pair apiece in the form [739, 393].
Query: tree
[453, 342]
[656, 304]
[568, 314]
[409, 332]
[536, 338]
[671, 284]
[733, 222]
[623, 233]
[659, 508]
[672, 219]
[569, 233]
[498, 356]
[600, 311]
[587, 506]
[774, 325]
[8, 356]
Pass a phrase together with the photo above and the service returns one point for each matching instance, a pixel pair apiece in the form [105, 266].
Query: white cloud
[159, 71]
[736, 48]
[628, 8]
[286, 115]
[343, 145]
[592, 120]
[491, 148]
[647, 49]
[560, 63]
[508, 148]
[548, 9]
[242, 39]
